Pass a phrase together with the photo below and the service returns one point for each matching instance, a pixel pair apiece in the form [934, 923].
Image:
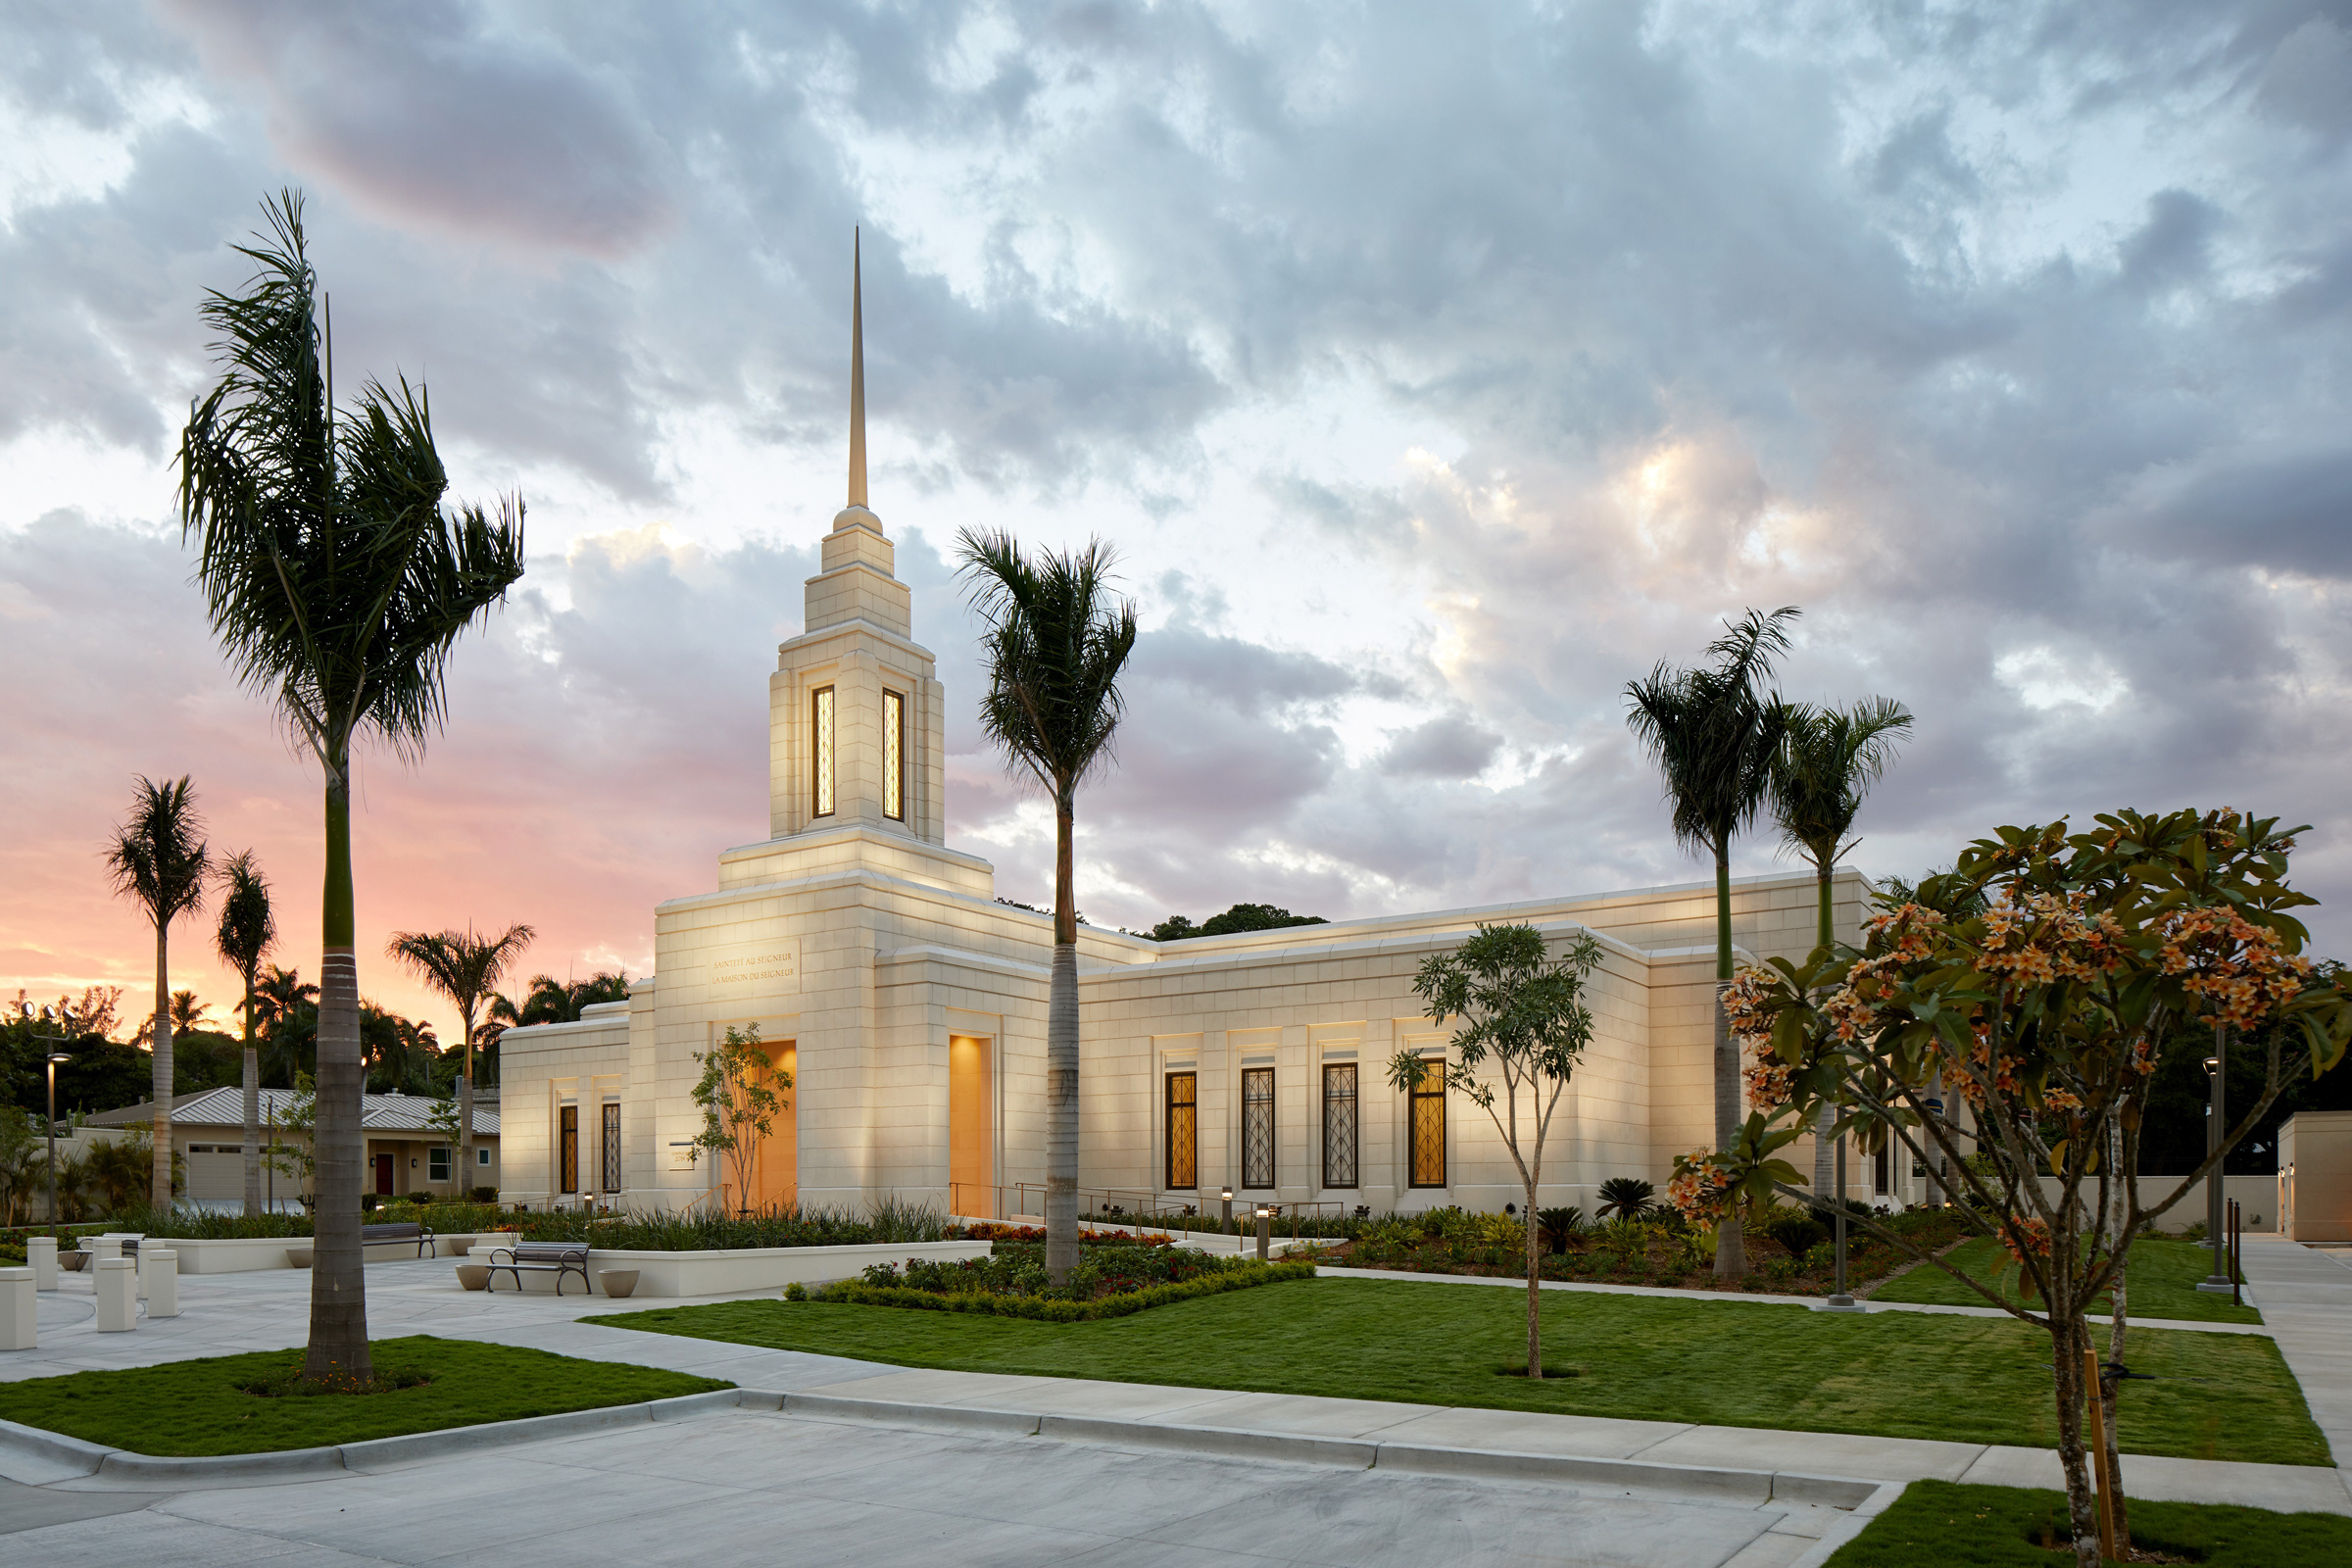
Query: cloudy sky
[1434, 369]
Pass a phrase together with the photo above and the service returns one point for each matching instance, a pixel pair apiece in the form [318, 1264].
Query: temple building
[909, 1007]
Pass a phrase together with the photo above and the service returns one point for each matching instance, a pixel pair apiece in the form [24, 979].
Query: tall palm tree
[463, 966]
[187, 1014]
[1827, 760]
[159, 856]
[248, 930]
[1056, 643]
[337, 584]
[1712, 731]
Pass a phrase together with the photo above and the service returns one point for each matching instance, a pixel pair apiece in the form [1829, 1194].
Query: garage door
[216, 1172]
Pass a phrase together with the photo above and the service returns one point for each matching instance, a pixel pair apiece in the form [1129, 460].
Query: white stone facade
[914, 1005]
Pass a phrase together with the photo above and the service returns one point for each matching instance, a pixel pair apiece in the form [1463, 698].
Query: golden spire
[856, 376]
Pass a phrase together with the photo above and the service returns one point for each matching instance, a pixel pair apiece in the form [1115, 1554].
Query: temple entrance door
[776, 1179]
[971, 1142]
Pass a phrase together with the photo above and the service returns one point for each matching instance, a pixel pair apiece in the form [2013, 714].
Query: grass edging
[1042, 1309]
[205, 1407]
[1949, 1524]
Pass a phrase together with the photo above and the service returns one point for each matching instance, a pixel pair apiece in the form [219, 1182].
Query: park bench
[544, 1258]
[404, 1231]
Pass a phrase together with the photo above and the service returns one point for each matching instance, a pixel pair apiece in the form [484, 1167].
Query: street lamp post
[2216, 1065]
[55, 1057]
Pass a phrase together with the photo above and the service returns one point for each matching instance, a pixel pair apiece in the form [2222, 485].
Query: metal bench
[405, 1230]
[543, 1258]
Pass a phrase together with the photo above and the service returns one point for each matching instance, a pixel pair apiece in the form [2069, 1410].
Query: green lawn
[1937, 1524]
[195, 1407]
[2161, 1283]
[1731, 1363]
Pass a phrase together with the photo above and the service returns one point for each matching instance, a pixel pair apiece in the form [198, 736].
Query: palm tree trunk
[1061, 1060]
[159, 1192]
[1731, 1248]
[465, 1110]
[338, 1348]
[1825, 1175]
[253, 1110]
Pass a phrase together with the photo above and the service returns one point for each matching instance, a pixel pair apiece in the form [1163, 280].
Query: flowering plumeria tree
[2047, 1015]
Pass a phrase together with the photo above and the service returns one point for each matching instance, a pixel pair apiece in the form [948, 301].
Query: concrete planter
[298, 1256]
[72, 1262]
[474, 1276]
[240, 1254]
[617, 1283]
[735, 1270]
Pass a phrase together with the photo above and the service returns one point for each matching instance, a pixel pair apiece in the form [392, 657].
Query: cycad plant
[1056, 643]
[248, 931]
[1713, 731]
[1626, 1197]
[159, 856]
[1827, 760]
[463, 966]
[337, 585]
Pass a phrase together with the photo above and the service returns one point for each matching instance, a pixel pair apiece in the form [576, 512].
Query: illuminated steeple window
[821, 730]
[893, 756]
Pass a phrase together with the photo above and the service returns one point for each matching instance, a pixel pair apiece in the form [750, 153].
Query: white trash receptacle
[159, 1280]
[41, 1252]
[17, 1329]
[117, 1294]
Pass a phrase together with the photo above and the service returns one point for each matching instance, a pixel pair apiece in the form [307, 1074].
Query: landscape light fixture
[1227, 1195]
[1265, 1214]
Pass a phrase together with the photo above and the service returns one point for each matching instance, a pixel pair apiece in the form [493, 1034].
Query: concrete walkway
[2307, 1299]
[1599, 1288]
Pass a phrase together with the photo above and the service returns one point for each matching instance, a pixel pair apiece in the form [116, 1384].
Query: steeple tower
[855, 736]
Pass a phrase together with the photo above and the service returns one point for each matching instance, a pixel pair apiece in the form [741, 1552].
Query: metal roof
[225, 1107]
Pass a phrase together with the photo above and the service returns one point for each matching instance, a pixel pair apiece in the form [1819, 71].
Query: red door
[383, 1175]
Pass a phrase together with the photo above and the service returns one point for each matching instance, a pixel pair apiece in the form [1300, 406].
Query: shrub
[1626, 1196]
[483, 1194]
[367, 1202]
[1060, 1310]
[420, 1197]
[1558, 1226]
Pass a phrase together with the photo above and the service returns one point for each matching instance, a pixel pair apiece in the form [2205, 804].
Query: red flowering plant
[2079, 962]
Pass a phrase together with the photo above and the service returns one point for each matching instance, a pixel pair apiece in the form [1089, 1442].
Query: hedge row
[1049, 1310]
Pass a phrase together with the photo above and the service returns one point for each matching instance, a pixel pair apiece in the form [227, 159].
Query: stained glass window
[1339, 1124]
[612, 1146]
[1428, 1128]
[821, 727]
[568, 1150]
[1184, 1132]
[893, 756]
[1257, 1127]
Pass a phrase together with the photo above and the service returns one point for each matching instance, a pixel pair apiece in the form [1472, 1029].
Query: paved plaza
[878, 1463]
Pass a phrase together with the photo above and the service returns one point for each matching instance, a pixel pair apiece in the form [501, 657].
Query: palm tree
[187, 1014]
[159, 856]
[1056, 644]
[463, 966]
[1713, 731]
[286, 1013]
[336, 584]
[248, 930]
[1827, 760]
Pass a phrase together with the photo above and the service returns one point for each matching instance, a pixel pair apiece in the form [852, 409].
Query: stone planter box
[736, 1270]
[474, 1276]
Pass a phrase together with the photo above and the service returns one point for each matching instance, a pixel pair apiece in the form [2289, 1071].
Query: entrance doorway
[383, 1175]
[971, 1145]
[776, 1176]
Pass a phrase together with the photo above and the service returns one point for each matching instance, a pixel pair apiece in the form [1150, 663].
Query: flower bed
[1787, 1259]
[1112, 1279]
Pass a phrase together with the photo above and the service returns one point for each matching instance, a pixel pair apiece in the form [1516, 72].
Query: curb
[1353, 1453]
[34, 1456]
[1853, 1524]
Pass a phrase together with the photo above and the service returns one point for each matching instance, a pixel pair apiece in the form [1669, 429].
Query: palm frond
[1827, 761]
[1056, 644]
[248, 923]
[158, 855]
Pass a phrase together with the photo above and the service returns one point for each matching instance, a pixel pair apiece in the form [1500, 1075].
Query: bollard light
[1265, 1214]
[1227, 1195]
